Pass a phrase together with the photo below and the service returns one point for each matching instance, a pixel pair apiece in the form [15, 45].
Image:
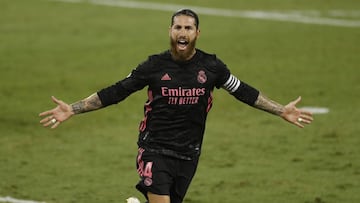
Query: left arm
[289, 112]
[253, 97]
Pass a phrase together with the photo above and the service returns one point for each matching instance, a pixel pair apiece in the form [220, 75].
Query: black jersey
[179, 99]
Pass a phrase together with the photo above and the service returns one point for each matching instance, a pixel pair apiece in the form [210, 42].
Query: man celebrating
[180, 83]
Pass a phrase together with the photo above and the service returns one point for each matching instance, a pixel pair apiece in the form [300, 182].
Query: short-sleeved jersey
[179, 99]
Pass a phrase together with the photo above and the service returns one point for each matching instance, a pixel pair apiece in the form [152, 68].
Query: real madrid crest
[201, 77]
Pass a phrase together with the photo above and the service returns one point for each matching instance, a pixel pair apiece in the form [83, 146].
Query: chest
[183, 76]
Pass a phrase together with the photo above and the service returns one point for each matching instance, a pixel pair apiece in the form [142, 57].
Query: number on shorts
[144, 171]
[148, 170]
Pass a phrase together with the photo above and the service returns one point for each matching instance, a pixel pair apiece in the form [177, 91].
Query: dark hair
[186, 12]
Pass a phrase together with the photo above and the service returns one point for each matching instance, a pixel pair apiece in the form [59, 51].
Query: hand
[296, 116]
[57, 115]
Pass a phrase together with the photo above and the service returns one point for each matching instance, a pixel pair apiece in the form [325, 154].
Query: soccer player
[180, 82]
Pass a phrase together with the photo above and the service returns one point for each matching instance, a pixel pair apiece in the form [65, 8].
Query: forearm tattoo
[89, 104]
[268, 105]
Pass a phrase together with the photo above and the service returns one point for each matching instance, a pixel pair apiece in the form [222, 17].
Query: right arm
[64, 111]
[90, 103]
[105, 97]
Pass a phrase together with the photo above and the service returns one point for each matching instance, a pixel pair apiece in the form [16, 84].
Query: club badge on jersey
[201, 77]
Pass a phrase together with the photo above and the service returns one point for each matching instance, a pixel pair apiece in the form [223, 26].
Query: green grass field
[71, 50]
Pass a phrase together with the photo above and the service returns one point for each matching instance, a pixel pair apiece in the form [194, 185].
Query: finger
[304, 121]
[47, 119]
[55, 125]
[56, 101]
[45, 113]
[296, 101]
[306, 113]
[300, 125]
[50, 121]
[307, 117]
[47, 123]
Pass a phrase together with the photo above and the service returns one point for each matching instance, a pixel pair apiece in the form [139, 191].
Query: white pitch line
[316, 110]
[263, 15]
[13, 200]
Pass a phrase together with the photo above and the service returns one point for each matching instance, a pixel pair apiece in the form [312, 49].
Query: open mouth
[182, 44]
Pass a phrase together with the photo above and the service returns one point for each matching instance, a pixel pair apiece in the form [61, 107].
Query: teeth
[182, 42]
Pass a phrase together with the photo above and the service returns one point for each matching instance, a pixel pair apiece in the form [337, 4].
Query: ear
[170, 31]
[198, 33]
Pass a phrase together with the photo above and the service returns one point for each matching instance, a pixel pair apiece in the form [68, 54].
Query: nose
[182, 32]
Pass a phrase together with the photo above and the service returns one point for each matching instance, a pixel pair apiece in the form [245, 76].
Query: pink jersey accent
[147, 110]
[210, 100]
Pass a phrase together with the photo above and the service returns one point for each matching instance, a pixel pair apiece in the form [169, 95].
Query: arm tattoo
[89, 104]
[268, 105]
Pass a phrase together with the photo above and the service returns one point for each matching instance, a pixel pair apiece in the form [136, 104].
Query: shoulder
[205, 55]
[154, 61]
[210, 60]
[157, 58]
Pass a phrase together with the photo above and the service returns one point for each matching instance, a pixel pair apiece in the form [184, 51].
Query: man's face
[183, 34]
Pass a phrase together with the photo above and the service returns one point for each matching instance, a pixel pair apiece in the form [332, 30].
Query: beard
[180, 51]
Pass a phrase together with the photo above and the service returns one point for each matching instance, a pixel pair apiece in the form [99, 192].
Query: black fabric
[246, 94]
[179, 99]
[164, 175]
[113, 94]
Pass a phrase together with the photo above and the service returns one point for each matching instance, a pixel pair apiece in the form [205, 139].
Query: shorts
[164, 175]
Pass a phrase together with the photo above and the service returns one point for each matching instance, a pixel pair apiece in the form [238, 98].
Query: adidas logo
[166, 77]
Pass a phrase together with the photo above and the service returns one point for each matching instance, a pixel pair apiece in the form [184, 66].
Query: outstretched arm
[64, 111]
[289, 112]
[253, 97]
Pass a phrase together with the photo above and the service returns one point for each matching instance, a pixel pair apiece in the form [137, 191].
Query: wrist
[76, 108]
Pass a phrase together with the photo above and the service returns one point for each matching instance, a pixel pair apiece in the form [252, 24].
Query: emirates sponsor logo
[182, 96]
[181, 92]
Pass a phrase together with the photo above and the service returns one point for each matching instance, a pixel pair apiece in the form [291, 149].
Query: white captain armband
[232, 84]
[241, 90]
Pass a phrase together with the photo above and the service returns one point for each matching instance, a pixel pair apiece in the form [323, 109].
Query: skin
[183, 29]
[183, 35]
